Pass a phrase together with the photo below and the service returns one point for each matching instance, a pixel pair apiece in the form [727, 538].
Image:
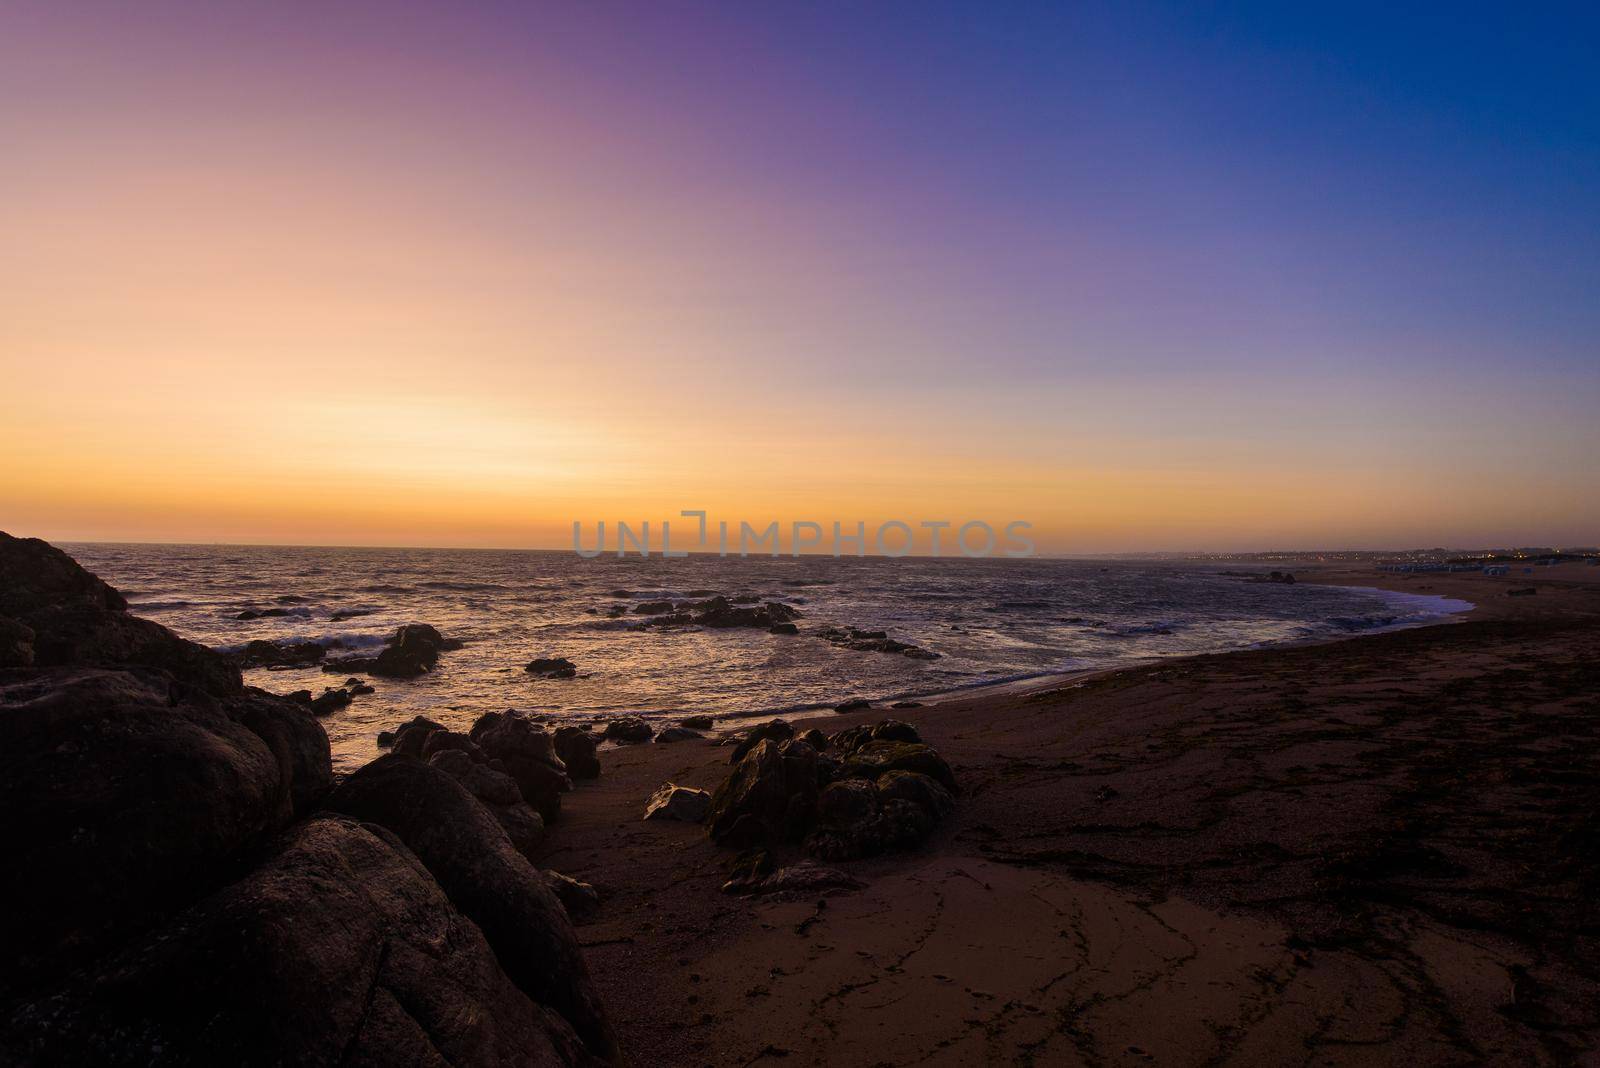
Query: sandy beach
[1378, 850]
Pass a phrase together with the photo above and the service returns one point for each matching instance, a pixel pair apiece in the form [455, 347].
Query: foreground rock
[884, 791]
[674, 802]
[486, 879]
[340, 948]
[176, 893]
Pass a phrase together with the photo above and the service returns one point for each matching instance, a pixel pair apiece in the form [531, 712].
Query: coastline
[1351, 851]
[1050, 680]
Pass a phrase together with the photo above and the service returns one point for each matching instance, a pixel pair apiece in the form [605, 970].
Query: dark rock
[126, 794]
[872, 760]
[263, 613]
[299, 697]
[770, 796]
[578, 898]
[673, 802]
[815, 739]
[409, 737]
[357, 689]
[918, 789]
[527, 752]
[414, 650]
[385, 738]
[628, 730]
[447, 741]
[35, 576]
[697, 723]
[906, 704]
[16, 644]
[653, 608]
[286, 653]
[855, 704]
[897, 824]
[552, 668]
[888, 730]
[340, 948]
[498, 792]
[677, 734]
[747, 869]
[297, 742]
[576, 748]
[805, 877]
[783, 628]
[874, 641]
[330, 702]
[485, 878]
[779, 730]
[720, 613]
[848, 801]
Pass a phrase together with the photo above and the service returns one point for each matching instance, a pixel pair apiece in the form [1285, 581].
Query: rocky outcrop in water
[288, 652]
[874, 641]
[719, 613]
[552, 667]
[413, 650]
[179, 890]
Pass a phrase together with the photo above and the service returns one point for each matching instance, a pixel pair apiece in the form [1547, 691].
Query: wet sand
[1379, 850]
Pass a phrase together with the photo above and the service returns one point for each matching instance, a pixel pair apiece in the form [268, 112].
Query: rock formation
[184, 885]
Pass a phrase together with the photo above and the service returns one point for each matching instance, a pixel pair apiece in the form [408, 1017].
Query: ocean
[990, 621]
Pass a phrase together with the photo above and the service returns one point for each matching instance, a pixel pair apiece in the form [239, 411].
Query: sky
[1148, 277]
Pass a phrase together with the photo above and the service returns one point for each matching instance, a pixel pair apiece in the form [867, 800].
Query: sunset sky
[459, 274]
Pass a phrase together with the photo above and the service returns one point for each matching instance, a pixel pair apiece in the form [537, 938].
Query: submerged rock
[874, 641]
[552, 668]
[291, 652]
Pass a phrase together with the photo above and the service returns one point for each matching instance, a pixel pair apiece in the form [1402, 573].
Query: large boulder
[578, 751]
[485, 878]
[527, 753]
[771, 796]
[339, 949]
[126, 795]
